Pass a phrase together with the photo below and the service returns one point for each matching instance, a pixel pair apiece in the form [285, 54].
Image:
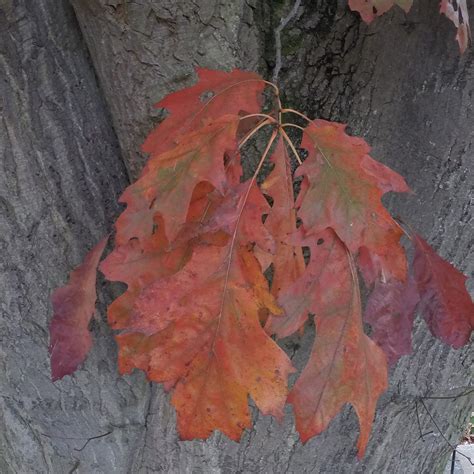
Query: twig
[453, 397]
[278, 30]
[90, 439]
[77, 438]
[442, 435]
[422, 435]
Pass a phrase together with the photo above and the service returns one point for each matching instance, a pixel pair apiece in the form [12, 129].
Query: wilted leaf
[73, 308]
[138, 264]
[444, 300]
[288, 262]
[390, 311]
[193, 242]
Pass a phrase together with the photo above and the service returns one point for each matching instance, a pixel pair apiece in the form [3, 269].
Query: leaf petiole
[290, 144]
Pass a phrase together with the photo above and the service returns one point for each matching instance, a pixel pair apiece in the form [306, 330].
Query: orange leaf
[169, 179]
[217, 93]
[191, 244]
[287, 259]
[138, 264]
[200, 329]
[342, 189]
[345, 366]
[288, 263]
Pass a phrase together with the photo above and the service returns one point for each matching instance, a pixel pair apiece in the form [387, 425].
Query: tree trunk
[399, 83]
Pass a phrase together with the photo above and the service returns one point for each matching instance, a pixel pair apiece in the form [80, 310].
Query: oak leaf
[73, 308]
[216, 93]
[167, 183]
[369, 9]
[444, 300]
[199, 330]
[345, 365]
[139, 264]
[342, 189]
[288, 262]
[390, 310]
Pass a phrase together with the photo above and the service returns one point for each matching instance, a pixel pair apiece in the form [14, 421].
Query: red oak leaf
[199, 330]
[345, 366]
[73, 308]
[217, 93]
[288, 262]
[342, 189]
[167, 184]
[369, 9]
[390, 311]
[138, 264]
[444, 300]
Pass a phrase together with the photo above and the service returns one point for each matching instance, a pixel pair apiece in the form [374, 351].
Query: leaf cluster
[196, 239]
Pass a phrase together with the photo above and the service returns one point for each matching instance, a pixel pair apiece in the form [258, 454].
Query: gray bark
[400, 83]
[59, 182]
